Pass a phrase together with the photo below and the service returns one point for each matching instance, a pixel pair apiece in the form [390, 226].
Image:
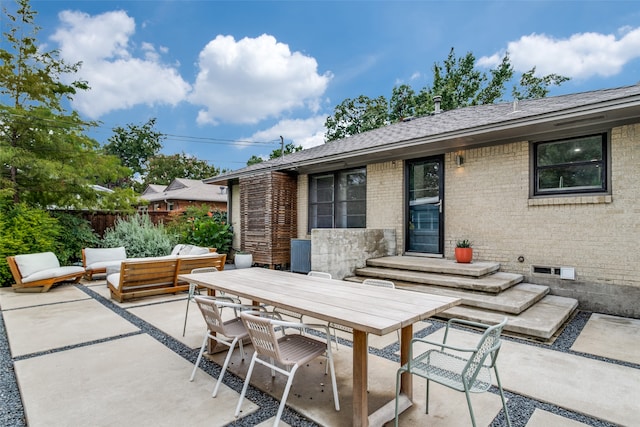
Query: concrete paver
[133, 381]
[137, 380]
[610, 336]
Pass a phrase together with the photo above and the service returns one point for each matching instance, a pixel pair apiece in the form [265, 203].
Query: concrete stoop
[487, 294]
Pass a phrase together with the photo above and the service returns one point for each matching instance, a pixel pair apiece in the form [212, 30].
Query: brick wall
[487, 201]
[385, 198]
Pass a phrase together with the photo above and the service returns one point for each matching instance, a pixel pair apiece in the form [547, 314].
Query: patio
[82, 359]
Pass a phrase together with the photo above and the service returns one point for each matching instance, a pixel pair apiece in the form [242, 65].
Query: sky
[226, 79]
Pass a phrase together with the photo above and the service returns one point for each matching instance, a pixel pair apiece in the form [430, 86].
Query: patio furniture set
[357, 308]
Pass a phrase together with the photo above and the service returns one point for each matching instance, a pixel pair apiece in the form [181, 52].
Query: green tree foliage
[355, 116]
[140, 237]
[532, 87]
[134, 145]
[201, 227]
[275, 154]
[163, 169]
[48, 159]
[75, 233]
[456, 81]
[25, 230]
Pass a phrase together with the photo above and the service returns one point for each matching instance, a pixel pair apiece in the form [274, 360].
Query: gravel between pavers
[520, 408]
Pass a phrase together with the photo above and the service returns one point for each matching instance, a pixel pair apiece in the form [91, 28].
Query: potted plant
[463, 251]
[242, 259]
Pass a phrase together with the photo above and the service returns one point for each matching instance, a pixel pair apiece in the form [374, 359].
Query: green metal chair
[470, 374]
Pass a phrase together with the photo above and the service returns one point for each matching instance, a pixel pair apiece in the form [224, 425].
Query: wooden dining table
[365, 309]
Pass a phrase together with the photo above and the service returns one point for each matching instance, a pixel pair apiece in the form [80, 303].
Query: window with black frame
[338, 199]
[570, 166]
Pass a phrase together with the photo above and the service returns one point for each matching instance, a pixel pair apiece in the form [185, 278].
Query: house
[182, 193]
[548, 188]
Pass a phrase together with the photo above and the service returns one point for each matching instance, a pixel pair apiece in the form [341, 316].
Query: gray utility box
[300, 255]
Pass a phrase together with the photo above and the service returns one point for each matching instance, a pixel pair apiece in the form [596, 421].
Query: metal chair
[288, 351]
[193, 289]
[470, 374]
[227, 333]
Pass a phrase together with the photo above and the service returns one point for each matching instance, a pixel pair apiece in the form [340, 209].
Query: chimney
[436, 102]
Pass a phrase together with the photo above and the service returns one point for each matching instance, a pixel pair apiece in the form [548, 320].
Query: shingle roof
[458, 127]
[186, 189]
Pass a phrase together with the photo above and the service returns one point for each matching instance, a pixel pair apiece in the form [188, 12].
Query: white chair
[227, 333]
[295, 314]
[288, 351]
[445, 365]
[193, 289]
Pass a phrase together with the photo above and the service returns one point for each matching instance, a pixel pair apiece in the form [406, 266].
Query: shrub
[25, 230]
[139, 236]
[198, 226]
[76, 233]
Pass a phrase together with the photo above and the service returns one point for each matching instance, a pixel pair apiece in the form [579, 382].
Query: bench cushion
[189, 250]
[51, 273]
[96, 258]
[29, 264]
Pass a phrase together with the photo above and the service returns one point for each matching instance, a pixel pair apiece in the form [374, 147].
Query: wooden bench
[39, 272]
[141, 278]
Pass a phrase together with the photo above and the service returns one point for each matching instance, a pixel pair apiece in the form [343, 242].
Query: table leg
[360, 398]
[406, 380]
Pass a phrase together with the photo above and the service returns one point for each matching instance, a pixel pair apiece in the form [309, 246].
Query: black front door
[425, 182]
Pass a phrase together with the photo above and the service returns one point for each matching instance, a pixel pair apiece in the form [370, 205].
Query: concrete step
[435, 265]
[541, 321]
[493, 283]
[514, 300]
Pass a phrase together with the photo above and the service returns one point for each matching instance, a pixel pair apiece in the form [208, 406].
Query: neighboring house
[182, 193]
[549, 188]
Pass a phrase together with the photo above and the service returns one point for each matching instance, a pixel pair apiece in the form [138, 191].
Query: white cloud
[580, 56]
[252, 79]
[306, 132]
[117, 78]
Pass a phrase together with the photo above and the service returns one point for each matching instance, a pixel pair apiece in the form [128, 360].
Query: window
[576, 165]
[338, 200]
[169, 206]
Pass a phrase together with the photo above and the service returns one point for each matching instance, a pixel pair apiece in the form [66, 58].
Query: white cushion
[104, 264]
[53, 272]
[176, 249]
[114, 279]
[97, 255]
[197, 250]
[29, 264]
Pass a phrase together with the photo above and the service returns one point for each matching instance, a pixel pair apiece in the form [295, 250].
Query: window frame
[605, 163]
[337, 203]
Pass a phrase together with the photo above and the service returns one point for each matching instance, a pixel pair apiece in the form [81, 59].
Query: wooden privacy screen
[268, 206]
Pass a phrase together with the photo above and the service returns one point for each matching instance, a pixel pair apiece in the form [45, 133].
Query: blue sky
[226, 79]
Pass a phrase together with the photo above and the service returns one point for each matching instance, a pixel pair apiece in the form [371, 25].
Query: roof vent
[436, 103]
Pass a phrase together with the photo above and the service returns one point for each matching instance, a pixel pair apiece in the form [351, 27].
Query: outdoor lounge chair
[288, 351]
[227, 333]
[40, 271]
[445, 365]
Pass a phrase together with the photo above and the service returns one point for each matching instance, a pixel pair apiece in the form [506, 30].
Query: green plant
[140, 237]
[463, 244]
[198, 226]
[76, 233]
[25, 230]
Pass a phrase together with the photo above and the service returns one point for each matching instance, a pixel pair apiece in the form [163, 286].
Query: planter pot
[464, 255]
[243, 260]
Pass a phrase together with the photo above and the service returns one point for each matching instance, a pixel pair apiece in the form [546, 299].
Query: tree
[275, 154]
[162, 169]
[47, 158]
[456, 81]
[135, 145]
[355, 116]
